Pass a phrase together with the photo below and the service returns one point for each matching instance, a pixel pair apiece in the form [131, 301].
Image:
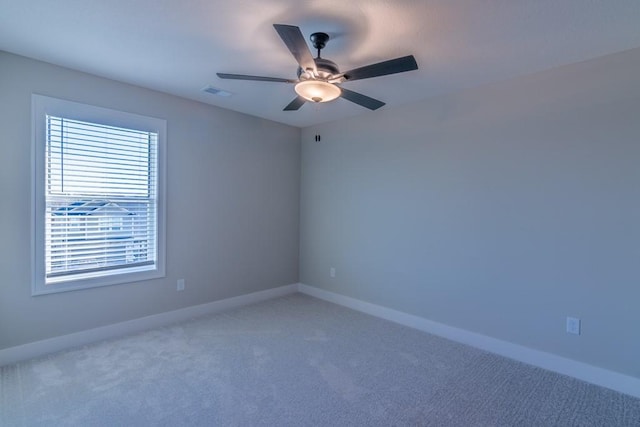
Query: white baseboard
[582, 371]
[52, 345]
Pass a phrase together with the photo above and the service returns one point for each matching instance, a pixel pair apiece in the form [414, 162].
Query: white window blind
[100, 199]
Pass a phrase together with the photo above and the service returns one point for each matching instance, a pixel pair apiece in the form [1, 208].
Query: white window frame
[43, 106]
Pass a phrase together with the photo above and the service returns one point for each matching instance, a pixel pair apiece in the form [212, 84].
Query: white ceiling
[177, 46]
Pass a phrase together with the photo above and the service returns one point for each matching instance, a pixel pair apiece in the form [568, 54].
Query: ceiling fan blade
[360, 99]
[295, 104]
[392, 66]
[293, 38]
[256, 78]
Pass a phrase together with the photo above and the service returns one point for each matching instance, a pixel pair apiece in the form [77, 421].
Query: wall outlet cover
[573, 325]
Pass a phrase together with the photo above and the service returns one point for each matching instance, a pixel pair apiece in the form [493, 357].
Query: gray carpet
[296, 361]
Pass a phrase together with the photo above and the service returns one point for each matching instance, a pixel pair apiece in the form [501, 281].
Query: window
[98, 196]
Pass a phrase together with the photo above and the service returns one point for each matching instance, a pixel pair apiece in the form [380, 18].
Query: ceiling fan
[319, 79]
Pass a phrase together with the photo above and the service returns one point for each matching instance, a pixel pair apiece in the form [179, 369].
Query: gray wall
[499, 210]
[232, 205]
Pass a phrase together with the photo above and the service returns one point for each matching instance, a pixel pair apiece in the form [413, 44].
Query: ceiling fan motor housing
[326, 69]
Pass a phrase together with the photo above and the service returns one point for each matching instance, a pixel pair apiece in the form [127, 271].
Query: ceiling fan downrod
[319, 41]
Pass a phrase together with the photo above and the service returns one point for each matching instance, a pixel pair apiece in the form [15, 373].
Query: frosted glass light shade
[317, 90]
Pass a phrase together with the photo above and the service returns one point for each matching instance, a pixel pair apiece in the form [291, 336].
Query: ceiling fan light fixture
[318, 78]
[317, 90]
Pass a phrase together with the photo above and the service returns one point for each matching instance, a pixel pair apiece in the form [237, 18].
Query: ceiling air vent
[215, 91]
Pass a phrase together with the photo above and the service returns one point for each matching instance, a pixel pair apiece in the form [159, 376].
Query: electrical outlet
[332, 272]
[180, 286]
[573, 325]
